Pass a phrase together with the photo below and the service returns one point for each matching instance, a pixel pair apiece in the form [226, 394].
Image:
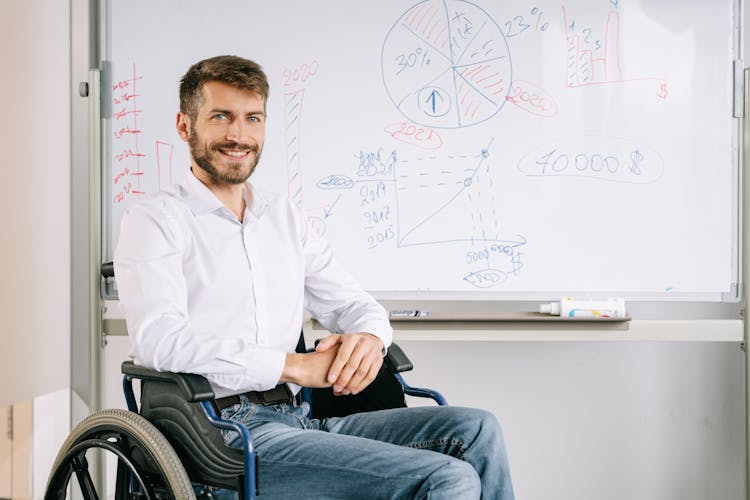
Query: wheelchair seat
[174, 440]
[179, 416]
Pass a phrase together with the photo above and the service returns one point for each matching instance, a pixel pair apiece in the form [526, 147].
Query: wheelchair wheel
[147, 465]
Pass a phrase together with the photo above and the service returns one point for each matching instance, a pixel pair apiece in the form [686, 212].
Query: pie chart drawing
[446, 64]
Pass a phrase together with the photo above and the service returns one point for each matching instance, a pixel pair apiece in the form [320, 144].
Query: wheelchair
[174, 441]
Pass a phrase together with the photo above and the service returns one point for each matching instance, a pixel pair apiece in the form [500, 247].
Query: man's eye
[220, 116]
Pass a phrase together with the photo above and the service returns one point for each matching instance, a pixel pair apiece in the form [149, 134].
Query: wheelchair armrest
[396, 360]
[194, 387]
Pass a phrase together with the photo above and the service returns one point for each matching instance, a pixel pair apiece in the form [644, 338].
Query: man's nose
[238, 132]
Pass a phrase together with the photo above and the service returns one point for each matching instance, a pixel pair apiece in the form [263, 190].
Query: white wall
[583, 420]
[603, 420]
[35, 220]
[34, 199]
[51, 425]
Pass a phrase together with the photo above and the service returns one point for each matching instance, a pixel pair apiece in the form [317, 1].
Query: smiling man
[214, 276]
[233, 142]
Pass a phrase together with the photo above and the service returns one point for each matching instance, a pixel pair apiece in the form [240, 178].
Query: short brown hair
[233, 70]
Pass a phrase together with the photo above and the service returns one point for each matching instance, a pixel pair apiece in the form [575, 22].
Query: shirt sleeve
[154, 297]
[335, 299]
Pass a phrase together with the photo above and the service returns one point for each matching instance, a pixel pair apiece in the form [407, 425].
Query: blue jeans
[431, 452]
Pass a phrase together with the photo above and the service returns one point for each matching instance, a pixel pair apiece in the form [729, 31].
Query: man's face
[226, 137]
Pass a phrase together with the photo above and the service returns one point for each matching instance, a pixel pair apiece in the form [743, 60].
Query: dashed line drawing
[434, 199]
[446, 64]
[438, 204]
[427, 191]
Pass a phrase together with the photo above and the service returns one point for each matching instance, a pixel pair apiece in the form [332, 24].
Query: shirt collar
[255, 200]
[201, 200]
[198, 197]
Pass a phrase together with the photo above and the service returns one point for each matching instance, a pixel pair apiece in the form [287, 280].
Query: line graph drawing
[457, 188]
[444, 199]
[433, 199]
[446, 64]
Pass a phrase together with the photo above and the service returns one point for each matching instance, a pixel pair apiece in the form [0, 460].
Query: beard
[210, 158]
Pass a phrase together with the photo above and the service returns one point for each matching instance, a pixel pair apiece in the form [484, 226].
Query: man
[214, 275]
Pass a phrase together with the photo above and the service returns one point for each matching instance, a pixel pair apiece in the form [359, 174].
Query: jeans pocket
[240, 413]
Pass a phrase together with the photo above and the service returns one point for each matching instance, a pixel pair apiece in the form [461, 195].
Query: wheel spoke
[81, 469]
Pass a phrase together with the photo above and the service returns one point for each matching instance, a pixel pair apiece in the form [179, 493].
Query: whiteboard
[464, 149]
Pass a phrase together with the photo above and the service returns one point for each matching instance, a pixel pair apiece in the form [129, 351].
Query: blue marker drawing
[436, 199]
[329, 210]
[335, 182]
[433, 199]
[450, 199]
[436, 103]
[446, 64]
[606, 158]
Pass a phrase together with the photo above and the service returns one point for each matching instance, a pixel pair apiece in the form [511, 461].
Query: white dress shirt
[204, 293]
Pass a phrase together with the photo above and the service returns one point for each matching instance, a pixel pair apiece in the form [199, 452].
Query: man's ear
[183, 126]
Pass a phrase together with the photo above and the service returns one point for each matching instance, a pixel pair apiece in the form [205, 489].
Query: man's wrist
[383, 350]
[291, 371]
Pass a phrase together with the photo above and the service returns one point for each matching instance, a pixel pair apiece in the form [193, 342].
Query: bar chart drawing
[292, 116]
[583, 67]
[164, 153]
